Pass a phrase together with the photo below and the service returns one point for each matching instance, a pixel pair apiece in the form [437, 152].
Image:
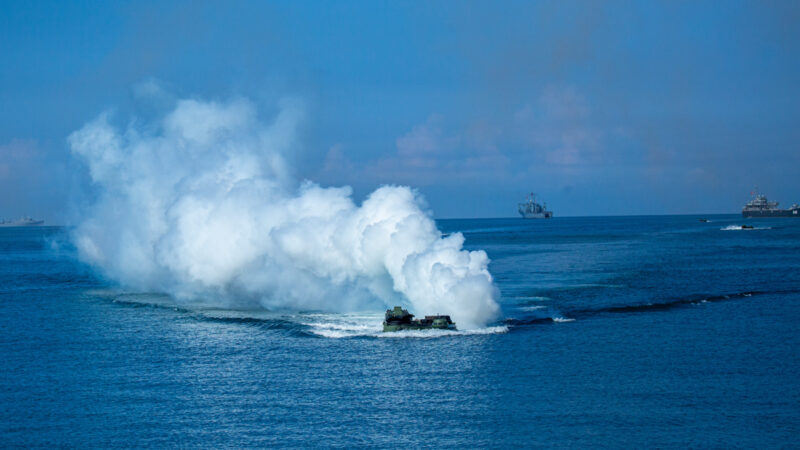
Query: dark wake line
[641, 308]
[529, 321]
[566, 315]
[272, 323]
[264, 324]
[664, 306]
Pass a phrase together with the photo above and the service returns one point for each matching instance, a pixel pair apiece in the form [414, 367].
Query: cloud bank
[201, 204]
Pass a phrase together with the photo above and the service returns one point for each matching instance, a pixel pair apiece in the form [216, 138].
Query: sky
[601, 108]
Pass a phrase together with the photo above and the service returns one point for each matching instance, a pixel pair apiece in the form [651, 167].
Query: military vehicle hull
[399, 319]
[388, 328]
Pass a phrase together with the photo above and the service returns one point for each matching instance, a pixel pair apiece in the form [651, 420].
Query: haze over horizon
[602, 109]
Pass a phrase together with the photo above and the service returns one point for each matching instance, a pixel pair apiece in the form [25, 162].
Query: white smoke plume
[200, 204]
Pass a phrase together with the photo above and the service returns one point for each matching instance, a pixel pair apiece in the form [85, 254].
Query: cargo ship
[21, 222]
[532, 210]
[760, 206]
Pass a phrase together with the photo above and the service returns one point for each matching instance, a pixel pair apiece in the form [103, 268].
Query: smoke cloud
[201, 204]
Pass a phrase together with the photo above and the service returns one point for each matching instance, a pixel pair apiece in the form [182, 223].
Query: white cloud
[559, 128]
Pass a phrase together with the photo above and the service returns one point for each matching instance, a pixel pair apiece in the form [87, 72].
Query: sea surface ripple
[657, 331]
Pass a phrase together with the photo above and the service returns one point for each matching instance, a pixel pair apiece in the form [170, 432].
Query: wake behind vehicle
[398, 319]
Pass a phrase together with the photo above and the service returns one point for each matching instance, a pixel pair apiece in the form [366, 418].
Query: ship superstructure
[532, 210]
[760, 206]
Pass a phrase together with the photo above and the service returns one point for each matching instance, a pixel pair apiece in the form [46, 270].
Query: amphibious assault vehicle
[400, 319]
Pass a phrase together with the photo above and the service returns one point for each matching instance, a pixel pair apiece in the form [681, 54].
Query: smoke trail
[201, 204]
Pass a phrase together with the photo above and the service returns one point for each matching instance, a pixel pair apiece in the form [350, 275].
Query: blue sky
[600, 107]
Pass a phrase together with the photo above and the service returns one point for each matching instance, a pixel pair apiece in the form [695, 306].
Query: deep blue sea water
[657, 331]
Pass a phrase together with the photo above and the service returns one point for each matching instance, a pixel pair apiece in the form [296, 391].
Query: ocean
[654, 331]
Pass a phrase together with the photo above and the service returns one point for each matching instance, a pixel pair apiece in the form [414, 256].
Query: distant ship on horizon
[532, 210]
[759, 206]
[21, 222]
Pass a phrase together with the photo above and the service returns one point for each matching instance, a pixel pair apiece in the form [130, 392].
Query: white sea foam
[534, 298]
[739, 227]
[370, 325]
[532, 308]
[329, 325]
[428, 334]
[201, 204]
[562, 319]
[417, 334]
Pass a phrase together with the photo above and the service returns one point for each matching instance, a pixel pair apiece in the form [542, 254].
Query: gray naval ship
[532, 210]
[759, 206]
[21, 222]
